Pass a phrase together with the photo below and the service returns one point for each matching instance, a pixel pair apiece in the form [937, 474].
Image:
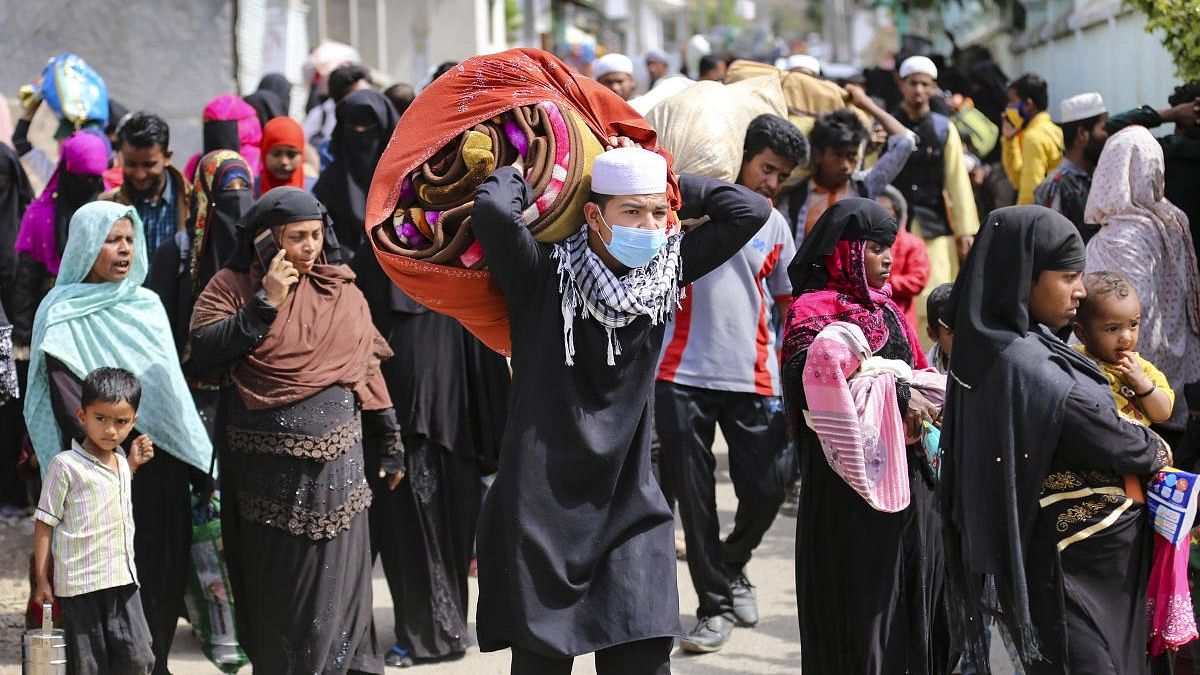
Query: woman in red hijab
[283, 157]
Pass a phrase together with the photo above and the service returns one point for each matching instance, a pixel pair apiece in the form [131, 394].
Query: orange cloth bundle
[486, 112]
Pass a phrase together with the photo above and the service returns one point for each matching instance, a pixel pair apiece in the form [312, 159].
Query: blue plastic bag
[74, 91]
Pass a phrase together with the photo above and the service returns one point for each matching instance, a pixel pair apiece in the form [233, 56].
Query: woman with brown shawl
[298, 343]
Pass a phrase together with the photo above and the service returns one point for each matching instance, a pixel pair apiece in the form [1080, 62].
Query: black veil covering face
[74, 190]
[365, 120]
[272, 99]
[221, 135]
[280, 206]
[1010, 379]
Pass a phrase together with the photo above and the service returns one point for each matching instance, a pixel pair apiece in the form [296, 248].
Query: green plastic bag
[209, 596]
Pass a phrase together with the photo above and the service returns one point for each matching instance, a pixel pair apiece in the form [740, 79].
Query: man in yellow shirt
[934, 179]
[1032, 146]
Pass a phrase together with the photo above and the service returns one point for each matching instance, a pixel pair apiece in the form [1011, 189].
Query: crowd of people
[951, 334]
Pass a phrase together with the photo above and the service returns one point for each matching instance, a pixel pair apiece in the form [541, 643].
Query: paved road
[771, 647]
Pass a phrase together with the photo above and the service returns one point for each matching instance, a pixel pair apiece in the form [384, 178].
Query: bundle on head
[432, 220]
[486, 112]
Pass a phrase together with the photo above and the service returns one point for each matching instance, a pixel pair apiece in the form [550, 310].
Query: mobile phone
[266, 247]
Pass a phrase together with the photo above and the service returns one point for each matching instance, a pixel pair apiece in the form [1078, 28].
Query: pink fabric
[1169, 614]
[83, 152]
[232, 108]
[1145, 238]
[847, 297]
[857, 419]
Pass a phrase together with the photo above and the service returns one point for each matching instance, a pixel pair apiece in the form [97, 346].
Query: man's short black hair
[344, 77]
[935, 305]
[1071, 129]
[111, 385]
[1185, 93]
[1031, 86]
[708, 62]
[838, 128]
[145, 130]
[401, 95]
[776, 134]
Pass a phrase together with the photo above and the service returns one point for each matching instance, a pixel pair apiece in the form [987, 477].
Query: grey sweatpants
[107, 633]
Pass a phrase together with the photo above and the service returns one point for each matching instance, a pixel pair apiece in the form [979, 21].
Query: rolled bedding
[432, 220]
[522, 106]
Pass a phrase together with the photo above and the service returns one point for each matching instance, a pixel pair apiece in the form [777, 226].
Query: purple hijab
[83, 152]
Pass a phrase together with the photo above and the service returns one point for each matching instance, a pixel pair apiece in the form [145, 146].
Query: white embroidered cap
[1081, 107]
[629, 171]
[612, 63]
[918, 64]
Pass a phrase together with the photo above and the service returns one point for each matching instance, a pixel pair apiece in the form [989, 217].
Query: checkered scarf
[589, 288]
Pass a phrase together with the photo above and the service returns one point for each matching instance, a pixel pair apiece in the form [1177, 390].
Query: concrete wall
[424, 33]
[169, 57]
[1117, 58]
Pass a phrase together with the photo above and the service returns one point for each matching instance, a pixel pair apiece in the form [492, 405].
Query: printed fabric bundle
[522, 106]
[433, 218]
[853, 409]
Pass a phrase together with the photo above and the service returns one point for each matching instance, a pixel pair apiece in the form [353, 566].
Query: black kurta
[576, 545]
[869, 585]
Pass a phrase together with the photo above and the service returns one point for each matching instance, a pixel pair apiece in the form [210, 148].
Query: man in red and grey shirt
[719, 366]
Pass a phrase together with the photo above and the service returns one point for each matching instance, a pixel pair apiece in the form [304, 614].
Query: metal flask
[45, 649]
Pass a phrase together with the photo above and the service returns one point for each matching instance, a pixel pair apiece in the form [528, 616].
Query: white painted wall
[1117, 58]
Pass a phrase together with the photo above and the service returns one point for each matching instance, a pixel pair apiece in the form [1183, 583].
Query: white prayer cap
[656, 56]
[918, 64]
[612, 63]
[1081, 107]
[803, 62]
[629, 171]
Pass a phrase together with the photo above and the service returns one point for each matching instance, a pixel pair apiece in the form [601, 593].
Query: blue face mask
[633, 247]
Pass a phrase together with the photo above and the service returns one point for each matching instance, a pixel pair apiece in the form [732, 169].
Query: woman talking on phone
[285, 321]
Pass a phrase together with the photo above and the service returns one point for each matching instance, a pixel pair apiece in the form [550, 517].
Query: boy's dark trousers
[760, 466]
[107, 633]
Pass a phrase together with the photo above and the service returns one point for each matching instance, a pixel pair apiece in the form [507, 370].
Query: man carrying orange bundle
[576, 544]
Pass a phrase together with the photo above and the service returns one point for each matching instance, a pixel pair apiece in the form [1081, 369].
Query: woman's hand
[279, 279]
[393, 479]
[920, 410]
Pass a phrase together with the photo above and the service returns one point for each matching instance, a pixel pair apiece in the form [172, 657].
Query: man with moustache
[157, 190]
[1066, 189]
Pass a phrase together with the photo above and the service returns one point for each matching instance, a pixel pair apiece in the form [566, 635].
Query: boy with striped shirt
[85, 508]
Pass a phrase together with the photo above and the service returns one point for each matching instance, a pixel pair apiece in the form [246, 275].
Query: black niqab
[272, 98]
[73, 191]
[15, 195]
[280, 206]
[1004, 411]
[221, 135]
[849, 219]
[344, 185]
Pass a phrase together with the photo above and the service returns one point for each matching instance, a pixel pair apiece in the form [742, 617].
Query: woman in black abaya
[1039, 530]
[365, 120]
[450, 394]
[869, 584]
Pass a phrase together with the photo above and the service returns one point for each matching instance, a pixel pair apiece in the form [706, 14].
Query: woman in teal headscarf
[97, 315]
